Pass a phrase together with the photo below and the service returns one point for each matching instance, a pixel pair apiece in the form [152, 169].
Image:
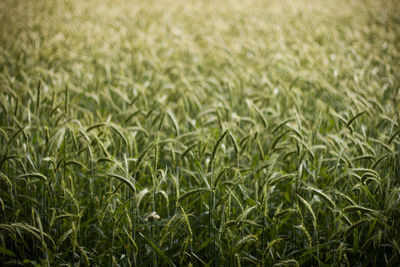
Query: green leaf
[7, 252]
[162, 254]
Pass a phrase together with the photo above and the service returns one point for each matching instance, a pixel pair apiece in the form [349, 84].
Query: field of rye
[199, 133]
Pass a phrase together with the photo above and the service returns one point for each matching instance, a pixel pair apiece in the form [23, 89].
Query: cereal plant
[199, 133]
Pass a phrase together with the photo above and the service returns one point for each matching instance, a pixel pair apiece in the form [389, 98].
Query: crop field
[199, 133]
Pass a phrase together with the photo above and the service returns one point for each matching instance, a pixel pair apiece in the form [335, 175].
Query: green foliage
[201, 133]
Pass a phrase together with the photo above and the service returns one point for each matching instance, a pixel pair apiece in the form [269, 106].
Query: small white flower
[276, 91]
[153, 216]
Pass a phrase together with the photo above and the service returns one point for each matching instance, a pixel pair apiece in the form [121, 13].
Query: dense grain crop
[215, 133]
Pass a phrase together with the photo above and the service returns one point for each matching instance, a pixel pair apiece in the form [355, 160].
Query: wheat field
[199, 133]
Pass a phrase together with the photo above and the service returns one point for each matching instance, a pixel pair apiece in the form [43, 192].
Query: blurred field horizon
[199, 133]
